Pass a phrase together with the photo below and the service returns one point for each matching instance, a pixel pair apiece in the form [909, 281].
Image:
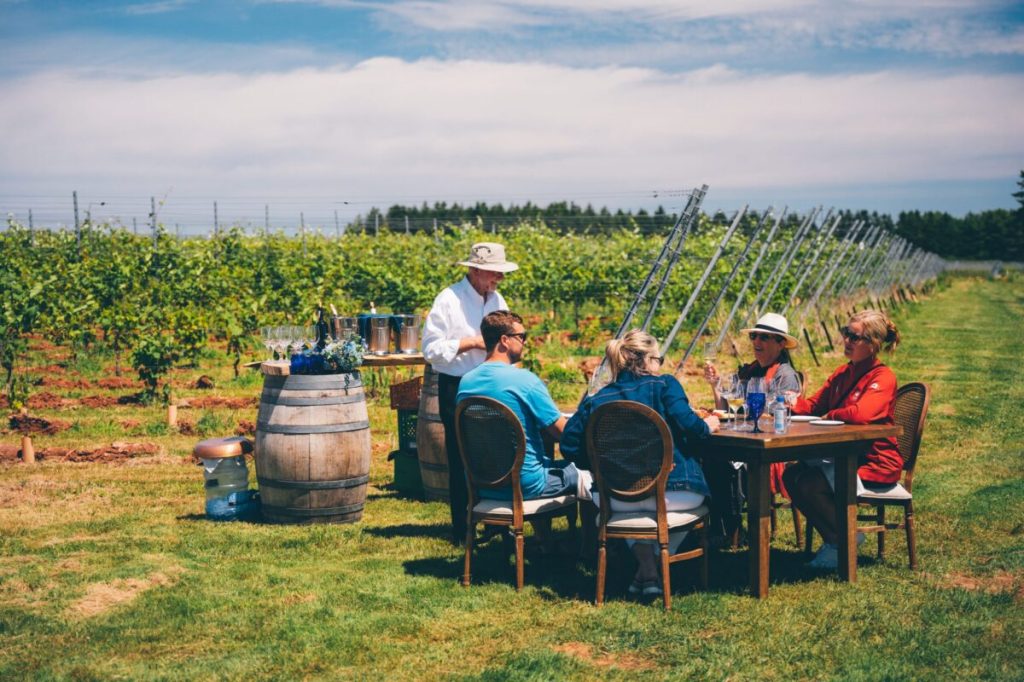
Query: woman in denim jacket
[635, 364]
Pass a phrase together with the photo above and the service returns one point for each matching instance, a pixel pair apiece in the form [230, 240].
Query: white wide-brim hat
[773, 323]
[488, 256]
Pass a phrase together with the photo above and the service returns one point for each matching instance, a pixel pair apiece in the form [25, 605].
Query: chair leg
[704, 556]
[796, 528]
[519, 558]
[470, 534]
[772, 517]
[881, 534]
[666, 579]
[601, 563]
[911, 542]
[809, 539]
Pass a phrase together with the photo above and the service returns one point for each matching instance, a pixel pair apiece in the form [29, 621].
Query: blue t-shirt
[527, 396]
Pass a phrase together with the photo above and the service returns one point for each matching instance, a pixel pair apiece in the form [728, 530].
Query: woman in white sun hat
[771, 342]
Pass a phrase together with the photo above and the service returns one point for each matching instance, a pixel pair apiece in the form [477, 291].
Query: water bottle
[780, 415]
[227, 489]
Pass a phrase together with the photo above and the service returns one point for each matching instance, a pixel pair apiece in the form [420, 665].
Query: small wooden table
[844, 444]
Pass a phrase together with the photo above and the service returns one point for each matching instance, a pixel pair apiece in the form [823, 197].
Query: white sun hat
[488, 256]
[773, 323]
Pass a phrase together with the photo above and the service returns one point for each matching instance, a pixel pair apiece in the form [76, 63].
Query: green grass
[111, 571]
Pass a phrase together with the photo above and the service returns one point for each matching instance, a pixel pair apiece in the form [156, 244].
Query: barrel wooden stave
[430, 444]
[318, 472]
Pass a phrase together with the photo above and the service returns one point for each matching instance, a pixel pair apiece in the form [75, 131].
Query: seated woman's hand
[791, 397]
[713, 423]
[710, 374]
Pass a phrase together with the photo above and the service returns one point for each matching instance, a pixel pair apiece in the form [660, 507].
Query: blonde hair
[631, 353]
[879, 329]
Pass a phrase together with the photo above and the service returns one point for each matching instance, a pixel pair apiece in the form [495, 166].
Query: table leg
[758, 526]
[846, 515]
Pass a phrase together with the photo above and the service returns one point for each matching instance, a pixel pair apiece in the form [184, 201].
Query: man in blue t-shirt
[526, 395]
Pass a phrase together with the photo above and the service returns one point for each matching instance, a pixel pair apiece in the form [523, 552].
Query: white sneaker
[826, 558]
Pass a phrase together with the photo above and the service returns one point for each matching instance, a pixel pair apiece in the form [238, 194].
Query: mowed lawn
[110, 571]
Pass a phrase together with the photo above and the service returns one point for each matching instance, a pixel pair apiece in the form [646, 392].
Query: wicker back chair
[630, 449]
[492, 445]
[910, 412]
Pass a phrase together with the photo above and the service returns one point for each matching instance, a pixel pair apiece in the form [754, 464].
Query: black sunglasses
[845, 331]
[521, 336]
[764, 337]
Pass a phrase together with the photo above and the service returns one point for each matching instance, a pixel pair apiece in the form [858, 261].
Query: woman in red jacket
[860, 392]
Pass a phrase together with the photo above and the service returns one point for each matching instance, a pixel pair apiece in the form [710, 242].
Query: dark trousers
[458, 495]
[727, 495]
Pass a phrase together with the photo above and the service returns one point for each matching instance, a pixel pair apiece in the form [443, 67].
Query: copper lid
[219, 448]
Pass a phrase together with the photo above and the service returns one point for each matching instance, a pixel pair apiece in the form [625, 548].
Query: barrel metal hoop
[314, 485]
[305, 513]
[318, 428]
[312, 402]
[431, 466]
[313, 382]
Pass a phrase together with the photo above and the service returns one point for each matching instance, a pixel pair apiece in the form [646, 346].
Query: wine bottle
[322, 329]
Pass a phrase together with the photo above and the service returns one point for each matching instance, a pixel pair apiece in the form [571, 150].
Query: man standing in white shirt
[453, 345]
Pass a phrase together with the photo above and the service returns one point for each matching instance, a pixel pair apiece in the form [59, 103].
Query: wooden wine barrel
[430, 440]
[313, 448]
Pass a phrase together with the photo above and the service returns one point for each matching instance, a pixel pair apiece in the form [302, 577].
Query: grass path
[110, 571]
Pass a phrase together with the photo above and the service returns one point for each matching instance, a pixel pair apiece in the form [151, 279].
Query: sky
[319, 108]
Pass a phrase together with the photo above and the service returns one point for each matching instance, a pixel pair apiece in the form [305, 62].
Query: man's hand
[471, 343]
[713, 423]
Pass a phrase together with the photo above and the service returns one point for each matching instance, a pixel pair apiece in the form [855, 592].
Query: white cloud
[157, 7]
[440, 130]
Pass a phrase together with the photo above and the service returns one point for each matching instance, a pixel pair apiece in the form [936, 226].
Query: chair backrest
[491, 442]
[910, 411]
[630, 449]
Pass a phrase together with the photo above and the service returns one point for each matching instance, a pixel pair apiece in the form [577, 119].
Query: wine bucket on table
[430, 440]
[313, 448]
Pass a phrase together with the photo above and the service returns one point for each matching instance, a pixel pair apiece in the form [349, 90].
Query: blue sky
[339, 105]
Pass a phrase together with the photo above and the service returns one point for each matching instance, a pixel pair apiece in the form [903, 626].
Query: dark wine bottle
[322, 329]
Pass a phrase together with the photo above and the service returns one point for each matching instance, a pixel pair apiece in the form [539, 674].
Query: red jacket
[861, 394]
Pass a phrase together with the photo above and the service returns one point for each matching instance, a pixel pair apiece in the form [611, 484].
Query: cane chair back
[496, 442]
[635, 449]
[630, 448]
[910, 412]
[492, 445]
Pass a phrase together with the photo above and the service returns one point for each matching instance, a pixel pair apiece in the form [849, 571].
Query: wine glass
[755, 400]
[730, 388]
[267, 334]
[281, 342]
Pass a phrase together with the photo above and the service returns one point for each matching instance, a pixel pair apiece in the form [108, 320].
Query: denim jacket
[663, 394]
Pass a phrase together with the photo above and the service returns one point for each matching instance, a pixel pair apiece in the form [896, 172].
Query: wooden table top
[802, 434]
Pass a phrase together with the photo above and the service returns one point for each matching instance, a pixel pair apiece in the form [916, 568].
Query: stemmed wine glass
[267, 334]
[731, 389]
[756, 400]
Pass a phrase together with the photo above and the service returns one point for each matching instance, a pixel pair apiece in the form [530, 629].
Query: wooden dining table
[844, 444]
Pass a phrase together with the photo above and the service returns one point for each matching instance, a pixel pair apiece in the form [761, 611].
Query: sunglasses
[763, 337]
[847, 334]
[521, 336]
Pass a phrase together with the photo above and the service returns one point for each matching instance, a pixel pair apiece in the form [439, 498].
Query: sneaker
[826, 558]
[652, 588]
[648, 588]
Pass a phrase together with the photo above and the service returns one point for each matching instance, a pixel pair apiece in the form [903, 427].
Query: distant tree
[1019, 195]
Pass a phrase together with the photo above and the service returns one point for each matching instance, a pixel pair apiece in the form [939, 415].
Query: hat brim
[791, 341]
[490, 267]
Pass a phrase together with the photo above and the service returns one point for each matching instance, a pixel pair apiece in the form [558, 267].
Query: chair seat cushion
[885, 492]
[644, 520]
[540, 505]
